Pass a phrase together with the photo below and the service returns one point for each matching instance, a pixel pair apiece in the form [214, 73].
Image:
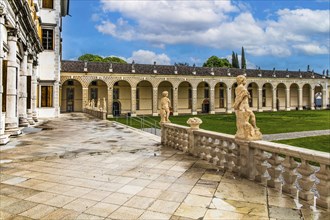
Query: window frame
[46, 39]
[46, 96]
[47, 3]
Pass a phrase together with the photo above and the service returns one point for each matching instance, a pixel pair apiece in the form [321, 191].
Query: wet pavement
[78, 167]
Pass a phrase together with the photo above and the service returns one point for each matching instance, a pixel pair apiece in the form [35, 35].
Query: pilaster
[312, 98]
[29, 108]
[133, 102]
[175, 101]
[212, 100]
[260, 100]
[324, 98]
[110, 101]
[287, 100]
[34, 89]
[154, 101]
[274, 107]
[300, 99]
[229, 111]
[194, 101]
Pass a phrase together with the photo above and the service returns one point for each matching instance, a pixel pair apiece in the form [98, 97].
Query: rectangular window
[115, 93]
[48, 4]
[46, 96]
[47, 39]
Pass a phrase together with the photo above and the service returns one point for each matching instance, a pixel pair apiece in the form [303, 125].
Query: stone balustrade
[96, 112]
[285, 168]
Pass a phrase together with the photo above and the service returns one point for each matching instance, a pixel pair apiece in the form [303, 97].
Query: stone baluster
[202, 147]
[208, 149]
[323, 187]
[260, 166]
[289, 176]
[215, 152]
[236, 152]
[305, 182]
[196, 147]
[223, 155]
[275, 172]
[185, 142]
[231, 157]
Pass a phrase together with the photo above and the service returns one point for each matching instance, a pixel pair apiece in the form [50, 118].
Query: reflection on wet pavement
[78, 167]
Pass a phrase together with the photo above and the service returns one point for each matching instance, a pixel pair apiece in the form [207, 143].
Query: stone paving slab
[84, 168]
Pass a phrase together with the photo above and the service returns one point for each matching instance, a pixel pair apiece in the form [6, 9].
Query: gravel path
[293, 135]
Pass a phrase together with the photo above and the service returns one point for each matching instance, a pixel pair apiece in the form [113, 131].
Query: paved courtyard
[78, 167]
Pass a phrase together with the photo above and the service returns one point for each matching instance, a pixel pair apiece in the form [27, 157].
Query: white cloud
[219, 24]
[149, 57]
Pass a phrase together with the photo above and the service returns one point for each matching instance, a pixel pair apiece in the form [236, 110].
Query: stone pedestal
[245, 131]
[4, 139]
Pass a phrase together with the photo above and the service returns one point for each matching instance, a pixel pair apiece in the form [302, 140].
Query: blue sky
[285, 34]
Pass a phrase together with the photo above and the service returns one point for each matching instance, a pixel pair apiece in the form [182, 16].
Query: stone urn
[194, 123]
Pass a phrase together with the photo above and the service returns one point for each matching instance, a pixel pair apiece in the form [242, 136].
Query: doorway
[70, 99]
[116, 109]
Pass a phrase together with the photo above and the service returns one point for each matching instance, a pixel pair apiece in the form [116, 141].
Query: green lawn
[268, 122]
[320, 143]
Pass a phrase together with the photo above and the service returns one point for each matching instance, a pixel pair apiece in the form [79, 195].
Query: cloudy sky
[281, 33]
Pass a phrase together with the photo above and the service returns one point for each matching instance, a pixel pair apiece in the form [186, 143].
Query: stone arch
[121, 94]
[71, 96]
[252, 88]
[97, 90]
[203, 97]
[281, 96]
[306, 96]
[144, 101]
[185, 97]
[165, 86]
[267, 96]
[294, 96]
[220, 97]
[318, 96]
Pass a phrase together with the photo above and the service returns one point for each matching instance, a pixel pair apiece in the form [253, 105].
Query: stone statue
[245, 118]
[93, 104]
[104, 105]
[165, 108]
[99, 104]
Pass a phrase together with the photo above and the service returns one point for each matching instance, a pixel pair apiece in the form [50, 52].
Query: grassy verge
[268, 122]
[320, 143]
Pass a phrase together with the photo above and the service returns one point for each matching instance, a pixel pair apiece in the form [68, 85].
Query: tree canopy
[215, 61]
[97, 58]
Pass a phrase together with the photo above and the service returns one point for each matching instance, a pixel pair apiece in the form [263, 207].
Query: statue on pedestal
[104, 105]
[165, 108]
[93, 104]
[99, 104]
[245, 118]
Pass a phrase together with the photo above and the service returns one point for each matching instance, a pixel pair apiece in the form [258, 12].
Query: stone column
[287, 100]
[3, 138]
[154, 101]
[229, 111]
[29, 108]
[110, 102]
[34, 92]
[175, 101]
[22, 91]
[274, 108]
[312, 99]
[246, 159]
[11, 99]
[260, 100]
[212, 100]
[133, 102]
[84, 97]
[324, 98]
[300, 99]
[194, 101]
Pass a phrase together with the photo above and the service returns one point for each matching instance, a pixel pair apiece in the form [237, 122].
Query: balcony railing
[291, 170]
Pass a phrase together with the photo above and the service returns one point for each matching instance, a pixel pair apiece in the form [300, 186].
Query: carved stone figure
[245, 118]
[93, 104]
[165, 108]
[99, 104]
[104, 105]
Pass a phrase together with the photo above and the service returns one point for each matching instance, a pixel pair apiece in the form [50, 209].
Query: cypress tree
[236, 61]
[233, 60]
[243, 62]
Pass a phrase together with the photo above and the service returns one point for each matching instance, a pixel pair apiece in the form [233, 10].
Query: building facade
[135, 89]
[23, 62]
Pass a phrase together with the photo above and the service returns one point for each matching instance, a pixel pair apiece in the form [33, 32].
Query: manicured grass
[320, 143]
[268, 122]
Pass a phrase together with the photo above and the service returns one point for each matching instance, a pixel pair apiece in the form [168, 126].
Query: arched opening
[144, 98]
[220, 97]
[233, 95]
[280, 96]
[184, 98]
[318, 96]
[71, 97]
[294, 96]
[203, 97]
[253, 100]
[121, 96]
[306, 98]
[165, 86]
[267, 96]
[97, 90]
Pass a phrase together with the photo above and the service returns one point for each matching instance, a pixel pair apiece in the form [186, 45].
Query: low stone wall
[97, 113]
[274, 165]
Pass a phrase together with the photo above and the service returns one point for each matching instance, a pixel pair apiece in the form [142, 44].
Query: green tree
[234, 60]
[97, 58]
[243, 61]
[215, 61]
[90, 57]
